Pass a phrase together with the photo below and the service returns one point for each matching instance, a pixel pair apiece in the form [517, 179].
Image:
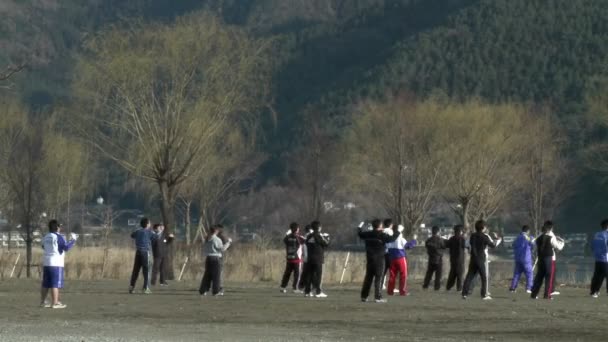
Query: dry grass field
[104, 311]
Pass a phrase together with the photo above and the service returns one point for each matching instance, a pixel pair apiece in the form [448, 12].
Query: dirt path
[103, 311]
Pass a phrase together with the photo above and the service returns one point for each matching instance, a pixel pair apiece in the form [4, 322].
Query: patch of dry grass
[248, 264]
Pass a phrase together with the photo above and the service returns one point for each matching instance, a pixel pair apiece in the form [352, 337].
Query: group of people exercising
[386, 252]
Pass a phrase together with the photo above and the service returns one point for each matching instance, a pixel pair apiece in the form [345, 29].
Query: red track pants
[397, 266]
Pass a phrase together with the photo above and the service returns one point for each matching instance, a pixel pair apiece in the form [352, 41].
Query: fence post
[344, 268]
[15, 265]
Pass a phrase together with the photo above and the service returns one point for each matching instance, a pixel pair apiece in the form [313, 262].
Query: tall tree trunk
[28, 247]
[167, 209]
[464, 202]
[187, 222]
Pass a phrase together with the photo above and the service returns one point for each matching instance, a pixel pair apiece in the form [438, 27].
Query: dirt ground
[104, 311]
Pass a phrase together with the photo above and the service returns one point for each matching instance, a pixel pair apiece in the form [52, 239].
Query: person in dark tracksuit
[457, 246]
[546, 244]
[293, 250]
[479, 243]
[212, 250]
[600, 252]
[315, 246]
[434, 246]
[143, 240]
[159, 252]
[375, 246]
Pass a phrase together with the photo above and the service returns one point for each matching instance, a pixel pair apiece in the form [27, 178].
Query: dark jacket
[315, 247]
[434, 248]
[457, 246]
[546, 244]
[376, 240]
[159, 245]
[293, 247]
[479, 246]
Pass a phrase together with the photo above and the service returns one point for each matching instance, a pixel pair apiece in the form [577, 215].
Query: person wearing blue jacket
[522, 252]
[600, 252]
[143, 245]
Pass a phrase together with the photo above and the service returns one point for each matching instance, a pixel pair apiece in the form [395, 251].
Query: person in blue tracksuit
[522, 252]
[600, 252]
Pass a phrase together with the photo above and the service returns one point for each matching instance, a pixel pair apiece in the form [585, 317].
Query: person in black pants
[387, 226]
[293, 250]
[143, 239]
[546, 244]
[315, 246]
[479, 242]
[600, 252]
[375, 246]
[159, 252]
[303, 275]
[213, 249]
[434, 246]
[457, 245]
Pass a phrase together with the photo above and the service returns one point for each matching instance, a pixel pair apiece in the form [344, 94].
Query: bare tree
[548, 172]
[21, 169]
[29, 171]
[484, 159]
[159, 95]
[313, 167]
[11, 70]
[396, 156]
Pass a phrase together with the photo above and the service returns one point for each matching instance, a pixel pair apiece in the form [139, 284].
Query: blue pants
[522, 267]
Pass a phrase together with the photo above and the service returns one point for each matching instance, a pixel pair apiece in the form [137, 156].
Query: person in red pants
[398, 262]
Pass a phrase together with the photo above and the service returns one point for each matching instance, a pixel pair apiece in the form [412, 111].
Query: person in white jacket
[546, 244]
[397, 257]
[55, 247]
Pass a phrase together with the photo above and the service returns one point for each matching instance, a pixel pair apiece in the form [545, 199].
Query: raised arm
[226, 245]
[557, 243]
[64, 246]
[412, 243]
[491, 243]
[320, 239]
[390, 238]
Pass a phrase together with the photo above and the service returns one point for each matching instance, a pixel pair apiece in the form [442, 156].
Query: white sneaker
[528, 291]
[45, 304]
[308, 295]
[298, 291]
[487, 298]
[555, 293]
[283, 290]
[59, 306]
[381, 300]
[321, 295]
[595, 295]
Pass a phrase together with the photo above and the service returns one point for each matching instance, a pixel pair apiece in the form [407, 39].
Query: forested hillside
[329, 55]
